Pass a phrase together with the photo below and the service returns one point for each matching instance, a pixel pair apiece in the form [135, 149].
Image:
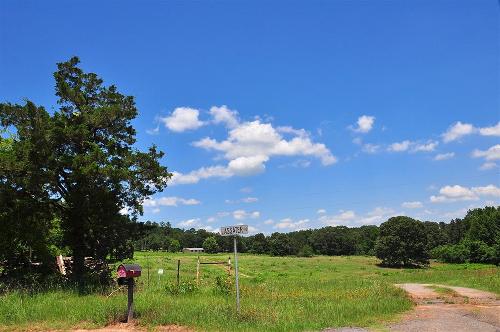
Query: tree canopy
[78, 165]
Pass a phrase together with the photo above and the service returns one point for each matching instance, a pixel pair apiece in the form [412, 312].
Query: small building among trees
[192, 250]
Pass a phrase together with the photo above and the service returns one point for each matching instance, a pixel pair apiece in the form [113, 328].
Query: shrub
[466, 251]
[480, 252]
[451, 253]
[306, 251]
[174, 246]
[210, 245]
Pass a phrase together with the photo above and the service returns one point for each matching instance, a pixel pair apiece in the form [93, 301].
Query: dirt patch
[121, 327]
[419, 292]
[477, 310]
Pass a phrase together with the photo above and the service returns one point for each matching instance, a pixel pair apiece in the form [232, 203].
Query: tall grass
[277, 294]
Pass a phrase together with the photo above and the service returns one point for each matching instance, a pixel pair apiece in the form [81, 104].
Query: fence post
[198, 271]
[178, 271]
[229, 266]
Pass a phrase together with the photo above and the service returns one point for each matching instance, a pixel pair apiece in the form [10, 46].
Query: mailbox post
[126, 275]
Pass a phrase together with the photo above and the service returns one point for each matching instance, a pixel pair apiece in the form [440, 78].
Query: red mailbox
[126, 275]
[129, 271]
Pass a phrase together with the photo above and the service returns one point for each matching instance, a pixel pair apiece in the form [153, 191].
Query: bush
[466, 252]
[306, 251]
[174, 246]
[480, 252]
[451, 253]
[210, 245]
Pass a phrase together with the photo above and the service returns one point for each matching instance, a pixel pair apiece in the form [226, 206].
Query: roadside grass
[277, 294]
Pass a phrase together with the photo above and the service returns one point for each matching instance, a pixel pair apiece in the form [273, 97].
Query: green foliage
[278, 294]
[210, 245]
[281, 245]
[402, 242]
[436, 235]
[467, 251]
[484, 225]
[223, 284]
[78, 165]
[174, 246]
[333, 241]
[365, 238]
[184, 287]
[450, 253]
[259, 244]
[306, 251]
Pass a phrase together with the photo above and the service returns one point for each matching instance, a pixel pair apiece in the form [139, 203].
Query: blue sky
[287, 115]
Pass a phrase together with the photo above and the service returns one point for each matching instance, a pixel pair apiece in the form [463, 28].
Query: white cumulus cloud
[224, 115]
[351, 218]
[399, 147]
[249, 199]
[412, 205]
[290, 224]
[458, 130]
[444, 156]
[410, 146]
[250, 145]
[200, 174]
[364, 124]
[371, 148]
[490, 131]
[191, 223]
[242, 214]
[488, 165]
[341, 218]
[182, 119]
[170, 201]
[492, 153]
[459, 193]
[425, 147]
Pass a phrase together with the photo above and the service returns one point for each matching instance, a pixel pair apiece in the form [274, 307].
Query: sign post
[233, 231]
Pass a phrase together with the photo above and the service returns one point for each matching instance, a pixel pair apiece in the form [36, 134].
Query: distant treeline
[475, 238]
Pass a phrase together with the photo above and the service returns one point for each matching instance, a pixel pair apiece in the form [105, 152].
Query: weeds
[185, 287]
[277, 294]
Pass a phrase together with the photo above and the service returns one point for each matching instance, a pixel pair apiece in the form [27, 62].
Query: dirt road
[451, 309]
[445, 308]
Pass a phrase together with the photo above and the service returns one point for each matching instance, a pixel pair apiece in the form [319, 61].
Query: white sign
[160, 271]
[234, 230]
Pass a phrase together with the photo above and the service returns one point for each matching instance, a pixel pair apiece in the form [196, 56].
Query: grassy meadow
[277, 294]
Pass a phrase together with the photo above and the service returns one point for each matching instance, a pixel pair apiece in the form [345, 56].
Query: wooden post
[229, 266]
[198, 271]
[148, 272]
[130, 305]
[178, 271]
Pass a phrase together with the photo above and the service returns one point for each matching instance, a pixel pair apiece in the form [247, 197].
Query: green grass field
[277, 294]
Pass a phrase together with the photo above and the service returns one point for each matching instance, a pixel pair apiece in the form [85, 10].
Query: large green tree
[81, 161]
[402, 241]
